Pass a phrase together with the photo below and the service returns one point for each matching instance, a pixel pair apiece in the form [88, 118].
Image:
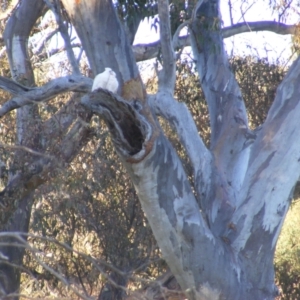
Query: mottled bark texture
[218, 236]
[219, 245]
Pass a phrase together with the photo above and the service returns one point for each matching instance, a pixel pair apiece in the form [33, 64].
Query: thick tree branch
[151, 50]
[16, 35]
[273, 171]
[164, 191]
[44, 93]
[46, 54]
[272, 26]
[12, 86]
[180, 118]
[99, 42]
[176, 221]
[229, 125]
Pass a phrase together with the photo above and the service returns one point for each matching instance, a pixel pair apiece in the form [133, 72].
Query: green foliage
[258, 80]
[132, 12]
[284, 8]
[129, 9]
[287, 260]
[296, 40]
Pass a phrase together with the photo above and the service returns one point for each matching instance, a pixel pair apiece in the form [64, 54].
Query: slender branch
[285, 7]
[63, 28]
[52, 52]
[230, 11]
[96, 262]
[39, 47]
[147, 51]
[44, 93]
[24, 148]
[243, 12]
[279, 28]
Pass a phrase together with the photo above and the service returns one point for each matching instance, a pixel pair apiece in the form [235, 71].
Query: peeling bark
[98, 41]
[219, 239]
[188, 241]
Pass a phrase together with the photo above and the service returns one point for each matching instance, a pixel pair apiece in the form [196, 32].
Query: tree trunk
[218, 245]
[10, 269]
[17, 215]
[218, 237]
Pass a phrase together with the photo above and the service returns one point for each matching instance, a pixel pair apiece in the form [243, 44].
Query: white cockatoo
[106, 80]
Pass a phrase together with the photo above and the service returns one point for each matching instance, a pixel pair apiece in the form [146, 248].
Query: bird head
[110, 71]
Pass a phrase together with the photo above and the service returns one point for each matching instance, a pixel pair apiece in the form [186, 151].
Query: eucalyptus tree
[218, 233]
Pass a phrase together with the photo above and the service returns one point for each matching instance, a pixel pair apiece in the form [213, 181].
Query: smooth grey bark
[98, 42]
[165, 193]
[228, 119]
[219, 243]
[224, 247]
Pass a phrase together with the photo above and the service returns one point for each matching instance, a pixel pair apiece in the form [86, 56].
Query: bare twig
[24, 148]
[39, 47]
[243, 12]
[63, 28]
[286, 6]
[230, 11]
